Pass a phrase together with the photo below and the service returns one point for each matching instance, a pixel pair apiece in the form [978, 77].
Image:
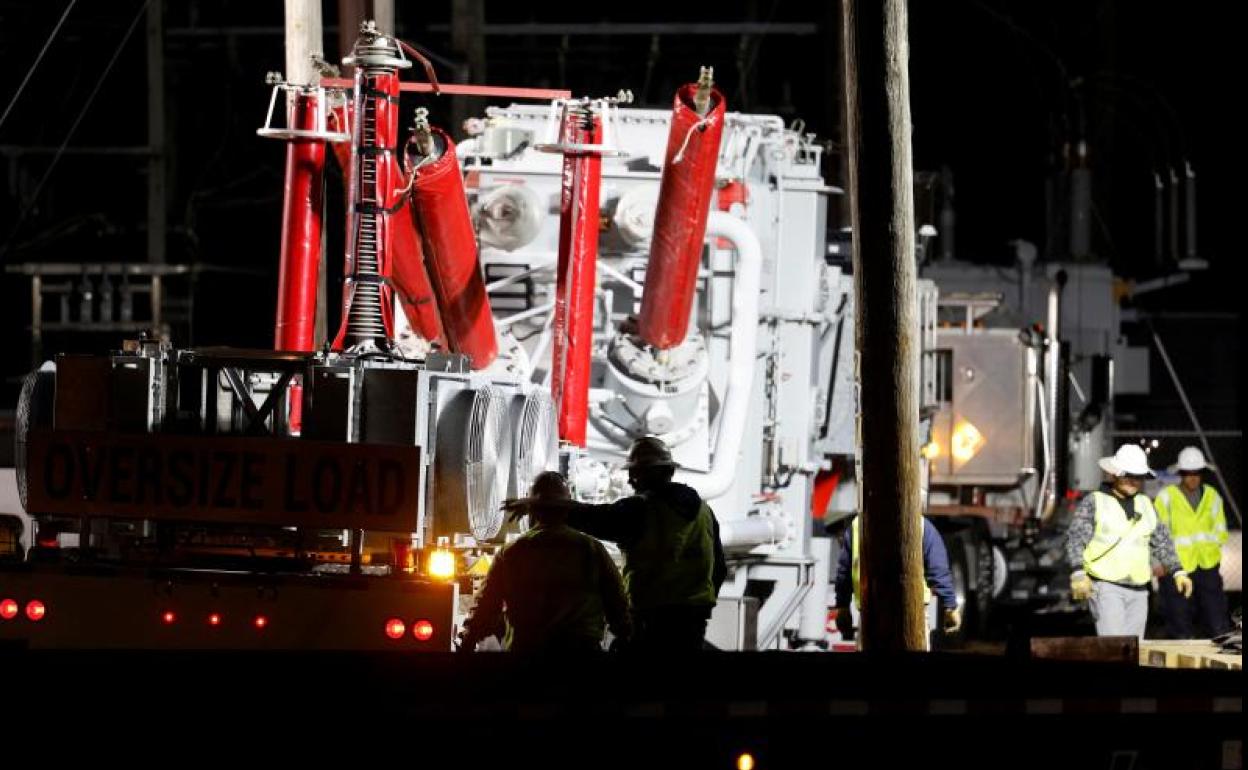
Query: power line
[46, 45]
[1191, 413]
[1064, 90]
[69, 135]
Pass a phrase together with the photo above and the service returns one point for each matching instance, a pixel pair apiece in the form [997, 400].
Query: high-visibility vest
[854, 539]
[562, 597]
[673, 563]
[1119, 550]
[1198, 534]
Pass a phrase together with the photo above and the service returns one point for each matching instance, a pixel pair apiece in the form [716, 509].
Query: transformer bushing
[439, 207]
[685, 191]
[576, 275]
[656, 391]
[368, 300]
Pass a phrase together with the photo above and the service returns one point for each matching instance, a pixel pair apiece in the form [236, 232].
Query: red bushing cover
[450, 248]
[680, 219]
[302, 205]
[573, 329]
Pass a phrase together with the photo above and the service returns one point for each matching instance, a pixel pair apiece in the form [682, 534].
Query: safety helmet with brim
[650, 452]
[1129, 461]
[1191, 460]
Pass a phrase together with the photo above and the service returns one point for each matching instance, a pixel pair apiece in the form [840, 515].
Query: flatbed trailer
[58, 606]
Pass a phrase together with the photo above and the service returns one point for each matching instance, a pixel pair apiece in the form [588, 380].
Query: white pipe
[1045, 493]
[1052, 365]
[624, 279]
[751, 532]
[741, 356]
[814, 615]
[525, 314]
[518, 277]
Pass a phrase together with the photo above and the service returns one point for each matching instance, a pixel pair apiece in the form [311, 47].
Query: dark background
[997, 89]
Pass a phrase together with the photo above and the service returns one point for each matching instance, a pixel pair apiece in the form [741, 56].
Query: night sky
[997, 88]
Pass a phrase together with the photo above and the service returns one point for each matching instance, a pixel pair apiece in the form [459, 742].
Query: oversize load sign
[283, 482]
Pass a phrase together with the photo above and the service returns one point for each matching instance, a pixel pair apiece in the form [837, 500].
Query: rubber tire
[35, 406]
[970, 549]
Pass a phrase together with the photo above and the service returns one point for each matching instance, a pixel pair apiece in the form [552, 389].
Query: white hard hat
[1191, 460]
[1129, 460]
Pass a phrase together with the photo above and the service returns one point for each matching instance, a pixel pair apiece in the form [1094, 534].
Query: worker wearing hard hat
[1114, 537]
[1193, 512]
[555, 585]
[938, 579]
[673, 557]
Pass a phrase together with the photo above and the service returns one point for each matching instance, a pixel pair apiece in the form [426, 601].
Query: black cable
[1152, 90]
[836, 356]
[69, 134]
[46, 45]
[1064, 91]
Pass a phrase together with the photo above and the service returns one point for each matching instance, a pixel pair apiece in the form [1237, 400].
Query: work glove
[845, 623]
[516, 507]
[951, 620]
[1080, 587]
[1184, 584]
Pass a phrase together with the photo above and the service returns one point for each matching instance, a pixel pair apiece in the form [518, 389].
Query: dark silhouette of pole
[881, 194]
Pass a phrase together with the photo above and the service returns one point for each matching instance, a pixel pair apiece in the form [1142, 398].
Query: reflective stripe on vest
[854, 571]
[1119, 551]
[1198, 534]
[673, 563]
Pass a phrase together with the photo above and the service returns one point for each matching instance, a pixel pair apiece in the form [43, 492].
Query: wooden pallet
[1104, 649]
[1192, 653]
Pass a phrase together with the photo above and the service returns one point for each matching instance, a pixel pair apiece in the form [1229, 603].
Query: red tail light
[168, 617]
[214, 619]
[8, 609]
[260, 622]
[35, 610]
[422, 630]
[395, 628]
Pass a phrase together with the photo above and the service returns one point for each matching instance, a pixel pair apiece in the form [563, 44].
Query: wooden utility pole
[352, 12]
[834, 114]
[468, 44]
[383, 14]
[156, 187]
[305, 39]
[881, 194]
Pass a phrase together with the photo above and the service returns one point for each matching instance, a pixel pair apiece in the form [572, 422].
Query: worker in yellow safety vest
[1114, 537]
[674, 560]
[1193, 512]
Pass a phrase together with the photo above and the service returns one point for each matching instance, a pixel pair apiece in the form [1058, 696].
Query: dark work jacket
[935, 568]
[671, 545]
[557, 586]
